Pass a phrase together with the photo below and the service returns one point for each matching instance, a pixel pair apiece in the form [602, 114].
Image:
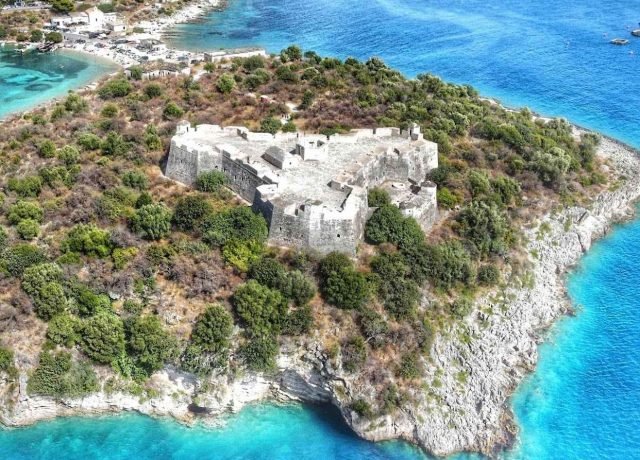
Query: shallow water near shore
[257, 432]
[30, 79]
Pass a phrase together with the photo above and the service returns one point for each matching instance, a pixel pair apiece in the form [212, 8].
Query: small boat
[619, 41]
[635, 33]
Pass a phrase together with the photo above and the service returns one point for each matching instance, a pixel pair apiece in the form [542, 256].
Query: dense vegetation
[133, 272]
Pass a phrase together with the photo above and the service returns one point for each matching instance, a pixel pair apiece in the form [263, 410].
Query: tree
[213, 330]
[152, 221]
[189, 212]
[62, 6]
[149, 344]
[261, 309]
[210, 181]
[291, 53]
[54, 37]
[50, 300]
[297, 287]
[225, 83]
[89, 240]
[36, 36]
[551, 166]
[103, 337]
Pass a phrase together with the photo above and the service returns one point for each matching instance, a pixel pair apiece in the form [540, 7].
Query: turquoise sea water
[29, 79]
[258, 432]
[583, 402]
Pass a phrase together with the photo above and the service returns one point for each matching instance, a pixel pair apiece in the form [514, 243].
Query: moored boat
[619, 41]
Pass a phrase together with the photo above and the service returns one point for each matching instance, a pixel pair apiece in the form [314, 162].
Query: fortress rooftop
[313, 169]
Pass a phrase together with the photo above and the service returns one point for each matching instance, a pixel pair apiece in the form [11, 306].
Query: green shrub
[25, 210]
[409, 367]
[259, 353]
[115, 88]
[240, 254]
[86, 302]
[374, 328]
[239, 223]
[261, 309]
[103, 337]
[75, 103]
[114, 145]
[153, 90]
[488, 275]
[461, 307]
[89, 141]
[6, 361]
[89, 240]
[354, 354]
[268, 272]
[347, 290]
[28, 229]
[123, 256]
[213, 329]
[69, 155]
[172, 111]
[47, 149]
[211, 181]
[378, 197]
[189, 212]
[297, 287]
[58, 376]
[270, 125]
[27, 187]
[135, 179]
[109, 110]
[388, 225]
[486, 226]
[225, 83]
[18, 258]
[152, 221]
[149, 344]
[63, 330]
[298, 321]
[362, 408]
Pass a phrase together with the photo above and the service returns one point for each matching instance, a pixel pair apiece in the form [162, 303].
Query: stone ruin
[312, 189]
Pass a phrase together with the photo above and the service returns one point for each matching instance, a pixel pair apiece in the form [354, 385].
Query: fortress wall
[242, 179]
[423, 208]
[182, 164]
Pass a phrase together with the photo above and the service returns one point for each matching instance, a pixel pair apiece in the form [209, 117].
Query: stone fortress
[312, 189]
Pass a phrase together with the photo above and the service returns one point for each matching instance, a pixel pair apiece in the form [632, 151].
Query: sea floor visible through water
[31, 79]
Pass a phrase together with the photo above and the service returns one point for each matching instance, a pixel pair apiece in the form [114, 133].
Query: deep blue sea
[29, 79]
[583, 401]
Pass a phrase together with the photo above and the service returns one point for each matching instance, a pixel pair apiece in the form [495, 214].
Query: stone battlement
[312, 189]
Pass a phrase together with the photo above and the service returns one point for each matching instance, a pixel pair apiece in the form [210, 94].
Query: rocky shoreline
[464, 405]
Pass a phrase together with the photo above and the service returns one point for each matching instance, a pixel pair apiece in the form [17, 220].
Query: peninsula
[292, 227]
